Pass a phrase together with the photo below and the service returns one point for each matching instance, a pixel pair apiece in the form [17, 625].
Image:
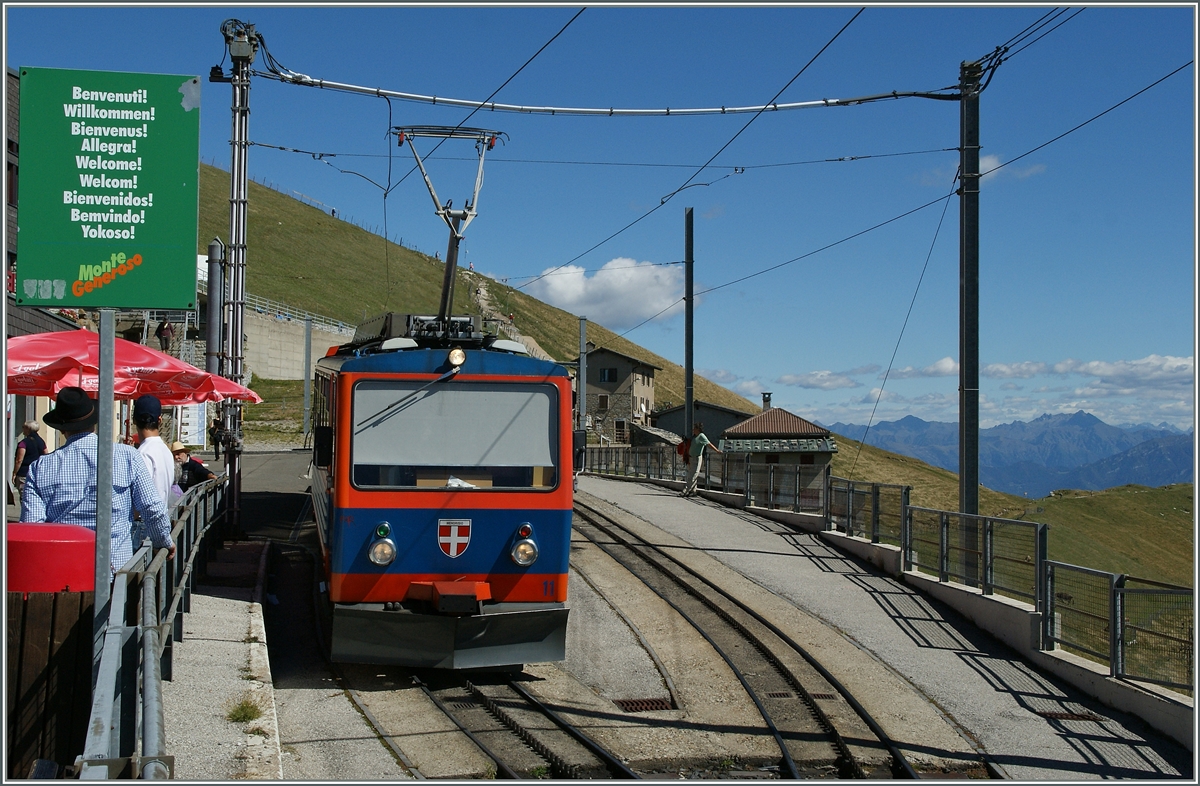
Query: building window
[608, 375]
[602, 403]
[807, 458]
[12, 184]
[771, 458]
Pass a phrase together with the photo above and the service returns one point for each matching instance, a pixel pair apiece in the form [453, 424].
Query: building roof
[697, 403]
[637, 361]
[670, 437]
[775, 423]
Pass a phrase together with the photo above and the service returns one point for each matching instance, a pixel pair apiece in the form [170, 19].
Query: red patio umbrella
[44, 363]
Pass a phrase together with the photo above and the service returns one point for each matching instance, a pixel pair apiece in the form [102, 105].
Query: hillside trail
[479, 291]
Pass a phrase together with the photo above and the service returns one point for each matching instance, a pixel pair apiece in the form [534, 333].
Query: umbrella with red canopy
[44, 363]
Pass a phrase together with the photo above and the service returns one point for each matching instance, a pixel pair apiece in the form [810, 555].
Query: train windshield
[410, 434]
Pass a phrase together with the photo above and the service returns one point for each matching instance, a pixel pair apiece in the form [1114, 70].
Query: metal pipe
[581, 377]
[446, 309]
[238, 190]
[968, 329]
[216, 307]
[154, 736]
[688, 382]
[104, 485]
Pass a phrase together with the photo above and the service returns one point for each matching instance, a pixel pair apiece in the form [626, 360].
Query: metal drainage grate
[781, 694]
[823, 696]
[643, 705]
[463, 704]
[1077, 716]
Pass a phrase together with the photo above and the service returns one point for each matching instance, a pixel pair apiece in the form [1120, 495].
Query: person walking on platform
[216, 432]
[31, 448]
[164, 333]
[696, 458]
[60, 487]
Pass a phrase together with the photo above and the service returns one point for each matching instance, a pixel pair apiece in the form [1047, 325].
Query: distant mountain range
[1051, 452]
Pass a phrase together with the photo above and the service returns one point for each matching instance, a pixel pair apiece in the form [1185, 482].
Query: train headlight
[524, 553]
[457, 357]
[382, 552]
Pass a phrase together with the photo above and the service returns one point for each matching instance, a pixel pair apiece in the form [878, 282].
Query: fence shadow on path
[1110, 743]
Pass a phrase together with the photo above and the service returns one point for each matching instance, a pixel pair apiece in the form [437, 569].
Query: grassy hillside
[300, 256]
[1145, 532]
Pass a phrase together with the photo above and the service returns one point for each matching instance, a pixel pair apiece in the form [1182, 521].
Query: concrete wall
[275, 347]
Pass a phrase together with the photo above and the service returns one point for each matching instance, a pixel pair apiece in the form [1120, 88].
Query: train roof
[433, 360]
[415, 344]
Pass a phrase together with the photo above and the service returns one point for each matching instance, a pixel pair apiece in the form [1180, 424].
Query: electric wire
[903, 327]
[630, 164]
[919, 208]
[1031, 151]
[667, 198]
[1043, 35]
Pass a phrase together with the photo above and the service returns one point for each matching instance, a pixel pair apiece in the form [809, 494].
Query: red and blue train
[442, 482]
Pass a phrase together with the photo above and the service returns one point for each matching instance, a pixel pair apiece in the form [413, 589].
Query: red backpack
[683, 447]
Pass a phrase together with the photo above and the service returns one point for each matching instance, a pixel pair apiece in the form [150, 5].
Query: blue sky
[1087, 245]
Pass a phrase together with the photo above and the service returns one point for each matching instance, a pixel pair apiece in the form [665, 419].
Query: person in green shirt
[696, 458]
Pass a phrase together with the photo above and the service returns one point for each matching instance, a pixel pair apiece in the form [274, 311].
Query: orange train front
[442, 486]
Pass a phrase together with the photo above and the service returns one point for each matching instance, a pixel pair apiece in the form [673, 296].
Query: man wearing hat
[191, 472]
[61, 486]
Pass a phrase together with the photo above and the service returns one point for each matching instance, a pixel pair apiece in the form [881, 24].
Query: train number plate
[454, 535]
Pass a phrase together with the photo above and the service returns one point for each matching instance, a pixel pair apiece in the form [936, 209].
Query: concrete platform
[220, 667]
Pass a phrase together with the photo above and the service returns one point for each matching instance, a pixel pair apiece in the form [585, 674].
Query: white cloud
[749, 387]
[946, 367]
[818, 380]
[718, 375]
[619, 295]
[990, 167]
[1024, 370]
[1151, 371]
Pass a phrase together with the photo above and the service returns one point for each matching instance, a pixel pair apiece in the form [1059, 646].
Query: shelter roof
[636, 360]
[707, 405]
[775, 423]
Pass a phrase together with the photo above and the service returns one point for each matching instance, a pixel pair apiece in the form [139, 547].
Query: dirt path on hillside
[481, 295]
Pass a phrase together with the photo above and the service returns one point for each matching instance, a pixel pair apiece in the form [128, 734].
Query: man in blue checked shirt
[61, 486]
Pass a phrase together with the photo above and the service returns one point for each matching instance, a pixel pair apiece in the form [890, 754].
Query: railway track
[820, 729]
[525, 738]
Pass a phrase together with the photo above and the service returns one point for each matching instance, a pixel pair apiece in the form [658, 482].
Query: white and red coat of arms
[453, 536]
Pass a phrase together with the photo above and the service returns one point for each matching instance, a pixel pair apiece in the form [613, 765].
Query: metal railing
[126, 737]
[1140, 629]
[993, 554]
[1143, 632]
[796, 487]
[876, 511]
[274, 308]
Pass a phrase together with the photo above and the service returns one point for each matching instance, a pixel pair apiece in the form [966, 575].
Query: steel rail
[898, 756]
[615, 766]
[337, 672]
[788, 761]
[502, 769]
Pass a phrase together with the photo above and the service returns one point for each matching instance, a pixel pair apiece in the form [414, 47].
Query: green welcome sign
[109, 199]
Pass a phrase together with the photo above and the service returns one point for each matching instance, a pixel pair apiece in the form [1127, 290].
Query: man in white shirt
[147, 414]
